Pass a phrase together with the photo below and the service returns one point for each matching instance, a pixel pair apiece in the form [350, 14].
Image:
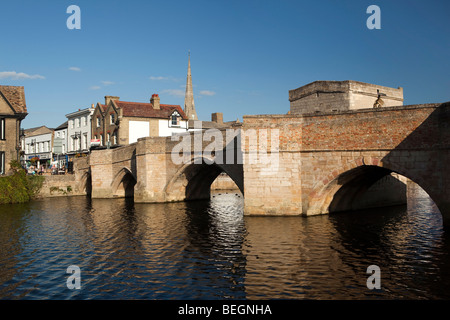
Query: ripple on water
[209, 250]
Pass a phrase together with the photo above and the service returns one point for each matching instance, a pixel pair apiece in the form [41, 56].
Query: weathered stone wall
[154, 169]
[60, 185]
[161, 177]
[321, 153]
[309, 164]
[224, 182]
[368, 129]
[363, 95]
[328, 96]
[272, 184]
[109, 167]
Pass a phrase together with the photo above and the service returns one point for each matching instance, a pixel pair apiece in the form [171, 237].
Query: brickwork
[336, 149]
[314, 164]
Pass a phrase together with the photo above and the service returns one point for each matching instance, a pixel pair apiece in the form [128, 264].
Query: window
[83, 121]
[112, 118]
[101, 140]
[175, 119]
[98, 122]
[115, 138]
[71, 124]
[63, 135]
[85, 141]
[2, 129]
[2, 162]
[77, 122]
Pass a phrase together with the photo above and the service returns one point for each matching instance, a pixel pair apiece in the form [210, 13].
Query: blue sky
[245, 55]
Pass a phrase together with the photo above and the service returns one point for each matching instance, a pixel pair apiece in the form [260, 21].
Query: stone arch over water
[340, 190]
[85, 184]
[123, 184]
[193, 180]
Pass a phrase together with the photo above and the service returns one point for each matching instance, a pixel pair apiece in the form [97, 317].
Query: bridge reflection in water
[209, 250]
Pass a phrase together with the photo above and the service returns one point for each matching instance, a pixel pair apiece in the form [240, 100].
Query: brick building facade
[121, 122]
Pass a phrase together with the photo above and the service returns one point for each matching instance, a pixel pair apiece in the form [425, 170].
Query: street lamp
[33, 144]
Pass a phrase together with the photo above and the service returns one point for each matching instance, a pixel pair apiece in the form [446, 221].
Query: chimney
[109, 98]
[155, 101]
[217, 117]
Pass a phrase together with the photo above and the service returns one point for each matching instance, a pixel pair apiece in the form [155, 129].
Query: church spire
[189, 107]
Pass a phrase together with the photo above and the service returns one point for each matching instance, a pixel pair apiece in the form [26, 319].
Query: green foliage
[58, 189]
[18, 187]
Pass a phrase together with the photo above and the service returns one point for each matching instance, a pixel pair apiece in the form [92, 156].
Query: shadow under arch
[193, 180]
[354, 185]
[123, 184]
[85, 185]
[348, 186]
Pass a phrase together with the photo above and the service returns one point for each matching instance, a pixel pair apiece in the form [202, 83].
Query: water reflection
[209, 250]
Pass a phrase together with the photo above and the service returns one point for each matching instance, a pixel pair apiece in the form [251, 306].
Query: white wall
[61, 135]
[42, 143]
[138, 129]
[79, 122]
[166, 131]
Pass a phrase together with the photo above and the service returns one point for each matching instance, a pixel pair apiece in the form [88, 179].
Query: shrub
[18, 187]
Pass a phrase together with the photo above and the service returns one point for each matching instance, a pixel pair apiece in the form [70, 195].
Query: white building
[37, 145]
[79, 131]
[60, 146]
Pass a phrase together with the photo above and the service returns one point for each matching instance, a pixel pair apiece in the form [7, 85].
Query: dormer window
[175, 119]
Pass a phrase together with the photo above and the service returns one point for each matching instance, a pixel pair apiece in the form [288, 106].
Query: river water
[209, 250]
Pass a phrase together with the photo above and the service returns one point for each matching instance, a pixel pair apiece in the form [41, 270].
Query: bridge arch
[85, 184]
[123, 183]
[193, 180]
[338, 190]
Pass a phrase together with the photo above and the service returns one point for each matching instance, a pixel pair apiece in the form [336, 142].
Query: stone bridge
[287, 164]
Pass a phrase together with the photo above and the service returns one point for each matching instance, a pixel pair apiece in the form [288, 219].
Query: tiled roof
[31, 132]
[146, 110]
[62, 126]
[15, 96]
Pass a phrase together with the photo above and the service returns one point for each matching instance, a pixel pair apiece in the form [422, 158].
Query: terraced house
[13, 110]
[120, 122]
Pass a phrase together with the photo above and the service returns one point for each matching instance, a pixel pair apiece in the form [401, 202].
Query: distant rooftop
[15, 96]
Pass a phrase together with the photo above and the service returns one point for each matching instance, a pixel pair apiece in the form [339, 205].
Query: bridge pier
[101, 174]
[273, 189]
[313, 164]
